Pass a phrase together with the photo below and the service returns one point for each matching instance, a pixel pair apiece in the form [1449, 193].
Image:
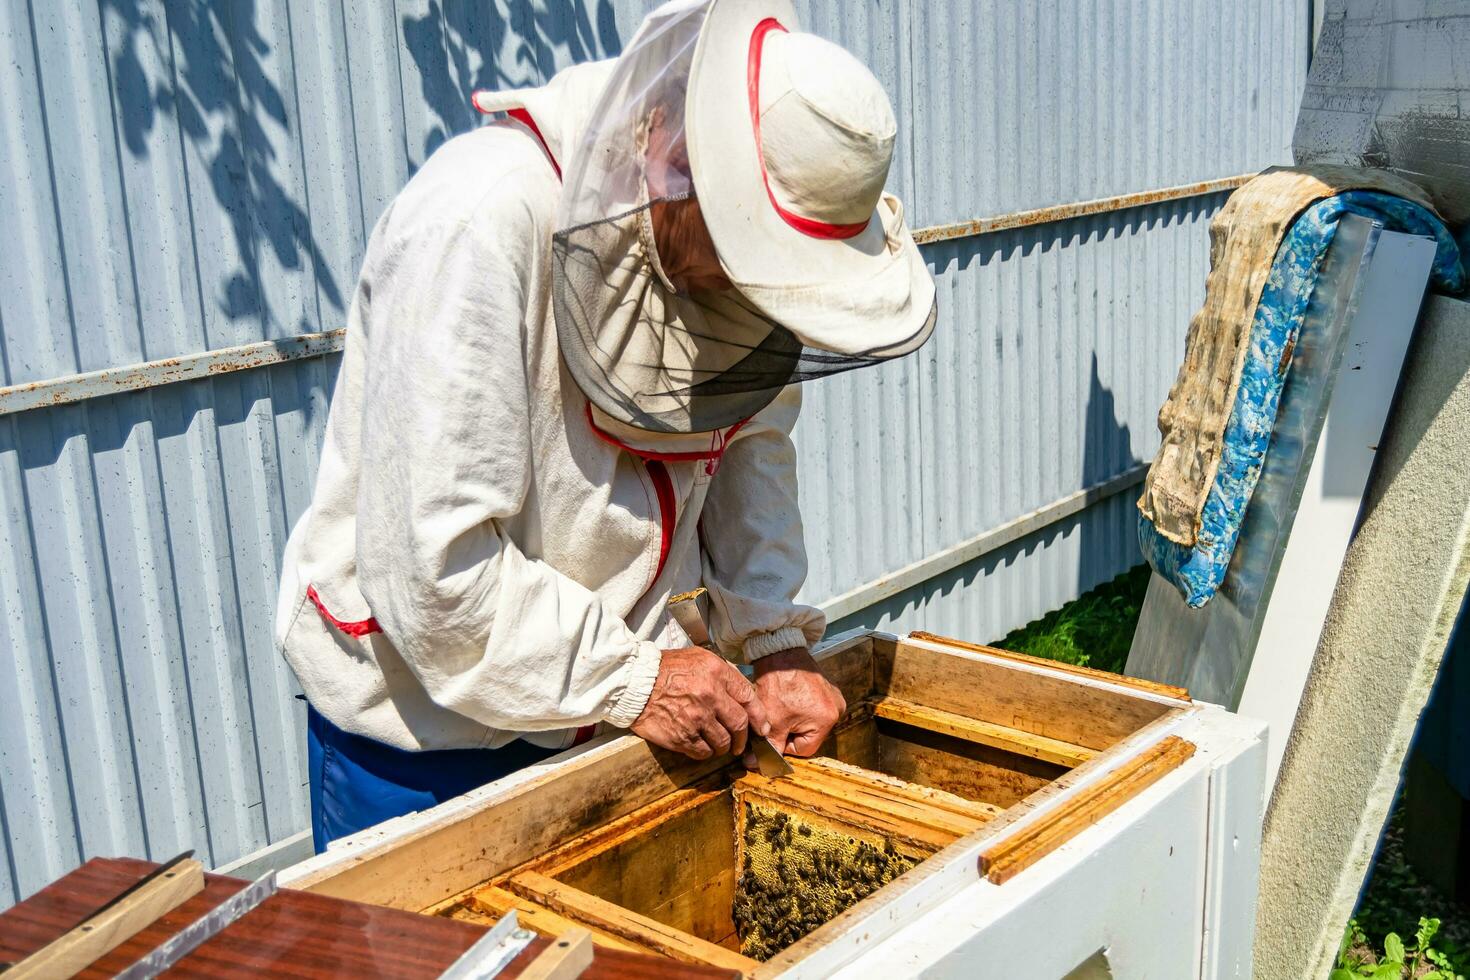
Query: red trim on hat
[361, 628]
[807, 226]
[524, 118]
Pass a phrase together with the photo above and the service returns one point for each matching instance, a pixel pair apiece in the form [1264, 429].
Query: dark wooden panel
[966, 769]
[293, 933]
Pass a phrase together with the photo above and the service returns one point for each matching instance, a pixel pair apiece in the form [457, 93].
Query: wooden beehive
[943, 745]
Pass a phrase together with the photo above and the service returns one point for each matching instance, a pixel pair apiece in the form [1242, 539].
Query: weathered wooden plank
[983, 732]
[847, 661]
[1018, 852]
[895, 788]
[967, 769]
[492, 903]
[648, 933]
[565, 959]
[1017, 694]
[676, 866]
[855, 739]
[874, 793]
[1141, 683]
[493, 829]
[619, 832]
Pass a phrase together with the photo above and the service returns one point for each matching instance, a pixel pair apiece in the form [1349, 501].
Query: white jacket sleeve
[754, 555]
[490, 633]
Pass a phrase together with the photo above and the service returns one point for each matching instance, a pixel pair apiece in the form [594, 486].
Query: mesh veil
[644, 351]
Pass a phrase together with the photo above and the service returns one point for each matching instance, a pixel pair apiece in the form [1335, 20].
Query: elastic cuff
[642, 672]
[764, 644]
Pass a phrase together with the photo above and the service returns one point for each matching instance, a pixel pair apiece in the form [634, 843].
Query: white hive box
[1006, 816]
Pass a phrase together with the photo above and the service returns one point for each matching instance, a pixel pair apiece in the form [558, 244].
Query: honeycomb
[798, 873]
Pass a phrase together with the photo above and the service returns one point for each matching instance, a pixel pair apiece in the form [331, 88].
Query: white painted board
[1332, 496]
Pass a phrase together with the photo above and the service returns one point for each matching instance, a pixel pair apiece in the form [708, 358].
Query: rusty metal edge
[151, 374]
[1079, 209]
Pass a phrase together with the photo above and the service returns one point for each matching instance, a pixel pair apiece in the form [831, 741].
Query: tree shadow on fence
[459, 46]
[215, 80]
[1105, 548]
[209, 65]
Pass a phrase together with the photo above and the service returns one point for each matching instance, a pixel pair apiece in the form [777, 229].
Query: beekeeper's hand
[700, 706]
[801, 703]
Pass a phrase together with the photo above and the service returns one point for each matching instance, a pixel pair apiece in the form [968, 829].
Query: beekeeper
[567, 392]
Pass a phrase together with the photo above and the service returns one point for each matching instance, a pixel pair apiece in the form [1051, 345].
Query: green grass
[1093, 630]
[1412, 958]
[1397, 898]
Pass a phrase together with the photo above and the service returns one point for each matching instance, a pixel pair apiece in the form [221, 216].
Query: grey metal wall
[1057, 345]
[189, 175]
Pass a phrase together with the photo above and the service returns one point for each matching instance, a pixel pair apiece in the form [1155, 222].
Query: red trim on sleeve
[359, 629]
[584, 734]
[523, 117]
[807, 226]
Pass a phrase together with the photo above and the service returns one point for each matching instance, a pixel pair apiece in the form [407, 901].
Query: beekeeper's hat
[790, 139]
[785, 139]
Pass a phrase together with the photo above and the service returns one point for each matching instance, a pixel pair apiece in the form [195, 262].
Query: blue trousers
[357, 782]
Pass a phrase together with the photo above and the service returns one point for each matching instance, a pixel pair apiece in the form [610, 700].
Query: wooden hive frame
[944, 744]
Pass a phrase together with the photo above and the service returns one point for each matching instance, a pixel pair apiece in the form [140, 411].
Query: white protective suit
[486, 555]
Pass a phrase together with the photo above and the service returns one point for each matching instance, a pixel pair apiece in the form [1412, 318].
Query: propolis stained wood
[947, 751]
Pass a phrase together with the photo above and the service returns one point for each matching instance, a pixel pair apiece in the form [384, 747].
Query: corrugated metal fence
[184, 176]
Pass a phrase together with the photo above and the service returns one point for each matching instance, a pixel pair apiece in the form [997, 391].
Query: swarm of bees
[793, 879]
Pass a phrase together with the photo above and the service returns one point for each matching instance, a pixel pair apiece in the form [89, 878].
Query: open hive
[738, 864]
[706, 863]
